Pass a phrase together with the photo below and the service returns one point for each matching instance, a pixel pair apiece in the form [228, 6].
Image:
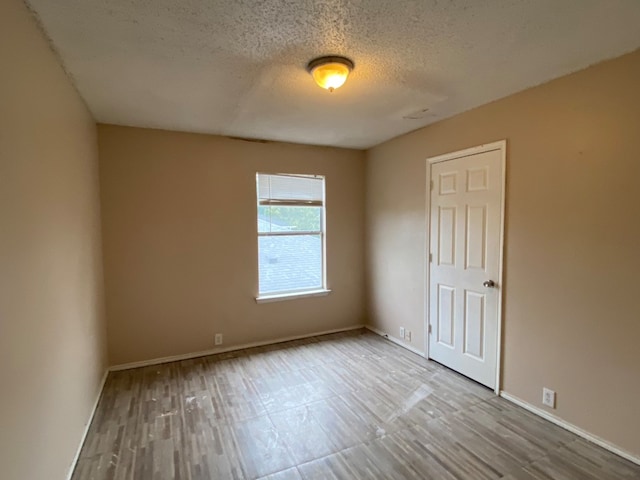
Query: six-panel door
[465, 218]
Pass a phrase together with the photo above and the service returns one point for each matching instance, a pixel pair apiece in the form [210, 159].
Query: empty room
[307, 240]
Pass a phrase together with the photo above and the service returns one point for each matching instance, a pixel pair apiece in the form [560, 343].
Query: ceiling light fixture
[330, 72]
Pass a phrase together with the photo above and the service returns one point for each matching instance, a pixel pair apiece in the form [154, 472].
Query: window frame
[322, 233]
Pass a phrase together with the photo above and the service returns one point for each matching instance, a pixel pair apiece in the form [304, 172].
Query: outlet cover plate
[549, 397]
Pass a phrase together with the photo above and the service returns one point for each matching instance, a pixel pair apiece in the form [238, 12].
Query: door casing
[487, 147]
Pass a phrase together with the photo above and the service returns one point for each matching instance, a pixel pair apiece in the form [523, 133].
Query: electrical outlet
[218, 339]
[549, 398]
[402, 333]
[408, 336]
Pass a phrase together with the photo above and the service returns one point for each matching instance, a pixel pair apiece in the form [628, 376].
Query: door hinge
[430, 257]
[429, 329]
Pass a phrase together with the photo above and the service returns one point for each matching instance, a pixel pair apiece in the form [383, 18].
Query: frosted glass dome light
[330, 72]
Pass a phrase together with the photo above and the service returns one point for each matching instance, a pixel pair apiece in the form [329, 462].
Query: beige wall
[52, 336]
[571, 317]
[180, 244]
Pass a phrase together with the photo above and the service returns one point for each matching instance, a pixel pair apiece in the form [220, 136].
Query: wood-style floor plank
[344, 406]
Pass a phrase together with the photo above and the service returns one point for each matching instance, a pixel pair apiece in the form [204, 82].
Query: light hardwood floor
[344, 406]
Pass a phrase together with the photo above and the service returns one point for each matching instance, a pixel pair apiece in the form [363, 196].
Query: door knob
[489, 284]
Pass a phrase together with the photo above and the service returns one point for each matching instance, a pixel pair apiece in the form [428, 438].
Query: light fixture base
[316, 62]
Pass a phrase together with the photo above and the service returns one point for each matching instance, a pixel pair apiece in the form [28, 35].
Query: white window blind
[290, 189]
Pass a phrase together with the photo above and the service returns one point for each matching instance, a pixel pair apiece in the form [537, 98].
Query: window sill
[291, 296]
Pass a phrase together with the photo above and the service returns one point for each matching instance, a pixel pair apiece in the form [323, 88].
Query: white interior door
[465, 261]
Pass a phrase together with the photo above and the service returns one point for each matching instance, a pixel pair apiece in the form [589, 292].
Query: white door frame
[487, 147]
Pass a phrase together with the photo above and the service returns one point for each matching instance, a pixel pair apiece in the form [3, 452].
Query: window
[291, 234]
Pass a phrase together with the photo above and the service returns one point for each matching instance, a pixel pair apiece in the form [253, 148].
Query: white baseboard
[572, 428]
[395, 340]
[214, 351]
[87, 425]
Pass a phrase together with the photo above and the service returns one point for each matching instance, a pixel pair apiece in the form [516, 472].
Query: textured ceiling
[237, 67]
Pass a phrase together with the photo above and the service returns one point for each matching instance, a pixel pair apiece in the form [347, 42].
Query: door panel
[447, 237]
[448, 183]
[465, 219]
[476, 237]
[474, 324]
[446, 302]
